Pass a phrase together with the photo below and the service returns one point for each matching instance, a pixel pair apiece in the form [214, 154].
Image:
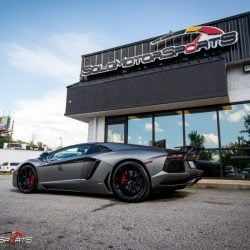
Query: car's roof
[121, 146]
[114, 146]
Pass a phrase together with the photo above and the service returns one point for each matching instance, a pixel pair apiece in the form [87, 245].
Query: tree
[4, 138]
[196, 140]
[41, 145]
[246, 125]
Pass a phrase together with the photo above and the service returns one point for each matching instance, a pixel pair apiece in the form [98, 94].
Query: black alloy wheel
[27, 179]
[130, 182]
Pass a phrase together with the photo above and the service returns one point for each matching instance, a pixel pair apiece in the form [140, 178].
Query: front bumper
[14, 178]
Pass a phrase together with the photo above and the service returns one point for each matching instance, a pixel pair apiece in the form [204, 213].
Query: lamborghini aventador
[130, 172]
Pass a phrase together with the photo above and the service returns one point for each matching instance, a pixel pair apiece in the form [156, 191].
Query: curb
[222, 184]
[5, 177]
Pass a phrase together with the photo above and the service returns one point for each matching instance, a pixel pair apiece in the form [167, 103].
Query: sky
[41, 43]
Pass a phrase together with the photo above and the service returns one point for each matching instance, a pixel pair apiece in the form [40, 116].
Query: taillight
[175, 157]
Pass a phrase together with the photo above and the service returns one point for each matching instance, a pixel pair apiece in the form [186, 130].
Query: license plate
[191, 164]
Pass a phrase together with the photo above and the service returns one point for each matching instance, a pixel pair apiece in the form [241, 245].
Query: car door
[64, 168]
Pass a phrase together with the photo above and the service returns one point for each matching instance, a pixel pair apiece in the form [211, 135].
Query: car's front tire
[130, 182]
[27, 179]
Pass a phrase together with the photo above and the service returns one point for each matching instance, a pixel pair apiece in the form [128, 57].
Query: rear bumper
[195, 177]
[176, 180]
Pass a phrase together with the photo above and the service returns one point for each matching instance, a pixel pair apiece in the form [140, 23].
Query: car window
[5, 164]
[14, 163]
[93, 149]
[70, 152]
[97, 149]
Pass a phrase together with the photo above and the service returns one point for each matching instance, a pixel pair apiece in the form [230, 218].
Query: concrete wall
[238, 84]
[7, 155]
[96, 129]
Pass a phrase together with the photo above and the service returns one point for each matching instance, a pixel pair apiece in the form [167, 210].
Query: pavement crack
[103, 207]
[219, 203]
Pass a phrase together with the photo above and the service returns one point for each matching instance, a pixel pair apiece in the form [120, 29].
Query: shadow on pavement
[157, 197]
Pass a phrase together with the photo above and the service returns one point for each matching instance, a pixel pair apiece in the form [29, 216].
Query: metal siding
[87, 60]
[118, 54]
[105, 57]
[93, 60]
[145, 47]
[99, 58]
[124, 52]
[130, 51]
[111, 55]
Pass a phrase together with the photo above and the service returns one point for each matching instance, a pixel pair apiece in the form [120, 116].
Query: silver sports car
[130, 172]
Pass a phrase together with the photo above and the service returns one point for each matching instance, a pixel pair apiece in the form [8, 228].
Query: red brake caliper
[31, 181]
[124, 177]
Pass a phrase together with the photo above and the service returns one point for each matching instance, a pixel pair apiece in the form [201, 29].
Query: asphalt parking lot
[188, 219]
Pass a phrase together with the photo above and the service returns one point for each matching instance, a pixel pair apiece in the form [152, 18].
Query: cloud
[180, 124]
[44, 119]
[148, 127]
[61, 59]
[41, 62]
[214, 117]
[211, 138]
[247, 108]
[56, 58]
[236, 116]
[74, 45]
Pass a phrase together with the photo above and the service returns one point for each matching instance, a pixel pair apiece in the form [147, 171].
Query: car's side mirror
[47, 158]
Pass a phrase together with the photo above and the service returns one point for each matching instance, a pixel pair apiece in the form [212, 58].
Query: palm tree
[196, 140]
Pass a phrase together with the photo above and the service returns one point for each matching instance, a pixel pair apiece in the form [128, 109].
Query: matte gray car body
[92, 171]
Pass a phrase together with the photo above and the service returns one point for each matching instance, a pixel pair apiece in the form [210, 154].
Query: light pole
[60, 141]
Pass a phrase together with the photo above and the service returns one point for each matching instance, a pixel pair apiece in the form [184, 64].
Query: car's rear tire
[130, 182]
[27, 179]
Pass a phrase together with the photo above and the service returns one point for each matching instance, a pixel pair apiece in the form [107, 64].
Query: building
[190, 87]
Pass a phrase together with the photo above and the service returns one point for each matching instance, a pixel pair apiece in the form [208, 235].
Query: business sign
[208, 37]
[5, 123]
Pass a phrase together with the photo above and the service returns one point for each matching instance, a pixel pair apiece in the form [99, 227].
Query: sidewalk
[5, 177]
[223, 184]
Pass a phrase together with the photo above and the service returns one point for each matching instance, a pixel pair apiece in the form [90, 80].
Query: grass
[2, 173]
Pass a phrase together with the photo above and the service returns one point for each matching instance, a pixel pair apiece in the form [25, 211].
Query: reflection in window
[168, 130]
[235, 135]
[116, 133]
[140, 130]
[232, 126]
[70, 152]
[201, 128]
[209, 162]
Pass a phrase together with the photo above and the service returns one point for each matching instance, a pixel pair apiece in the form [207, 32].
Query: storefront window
[140, 130]
[235, 139]
[116, 133]
[209, 162]
[232, 119]
[201, 128]
[231, 160]
[168, 130]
